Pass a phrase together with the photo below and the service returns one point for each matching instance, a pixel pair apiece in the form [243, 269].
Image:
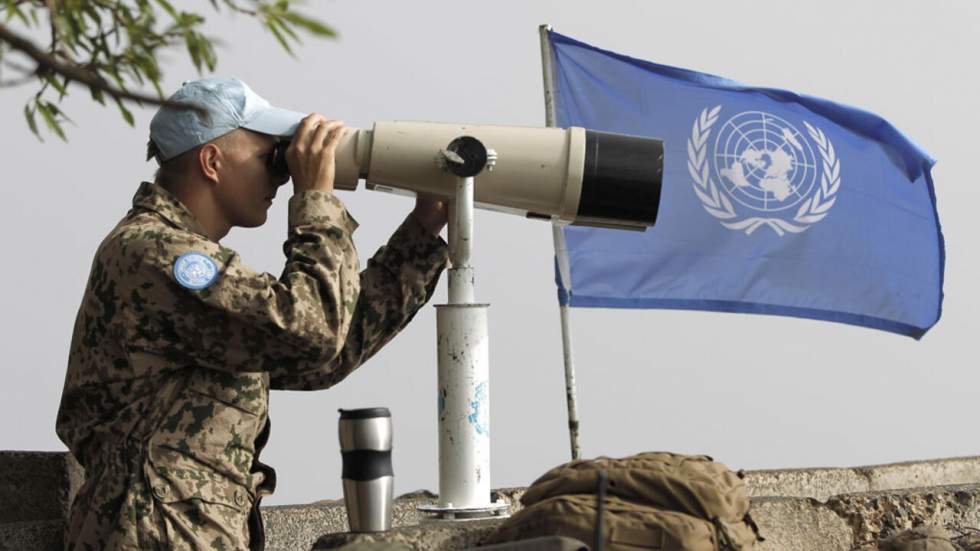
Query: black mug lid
[364, 413]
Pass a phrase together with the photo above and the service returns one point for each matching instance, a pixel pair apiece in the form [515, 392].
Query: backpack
[922, 538]
[656, 500]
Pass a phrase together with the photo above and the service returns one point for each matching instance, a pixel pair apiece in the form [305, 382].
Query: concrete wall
[822, 483]
[796, 509]
[788, 523]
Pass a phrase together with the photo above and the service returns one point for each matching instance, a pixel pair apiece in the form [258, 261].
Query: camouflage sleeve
[247, 321]
[399, 279]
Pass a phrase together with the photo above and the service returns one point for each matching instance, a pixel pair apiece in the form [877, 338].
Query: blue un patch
[195, 271]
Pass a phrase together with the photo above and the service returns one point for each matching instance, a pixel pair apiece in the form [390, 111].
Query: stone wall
[796, 509]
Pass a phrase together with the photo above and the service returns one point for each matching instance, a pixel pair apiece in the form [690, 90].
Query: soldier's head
[216, 158]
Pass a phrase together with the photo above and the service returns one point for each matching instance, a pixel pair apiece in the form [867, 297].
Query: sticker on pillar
[479, 411]
[442, 403]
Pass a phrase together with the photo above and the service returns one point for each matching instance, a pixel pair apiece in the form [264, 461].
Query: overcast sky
[752, 391]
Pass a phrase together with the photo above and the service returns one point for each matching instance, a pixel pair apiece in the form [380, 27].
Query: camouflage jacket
[166, 394]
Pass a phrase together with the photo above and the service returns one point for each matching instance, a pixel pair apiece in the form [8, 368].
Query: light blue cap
[230, 104]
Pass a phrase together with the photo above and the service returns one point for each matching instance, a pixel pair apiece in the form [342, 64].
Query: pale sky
[752, 391]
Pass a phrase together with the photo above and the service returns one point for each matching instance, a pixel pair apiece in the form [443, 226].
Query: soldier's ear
[209, 160]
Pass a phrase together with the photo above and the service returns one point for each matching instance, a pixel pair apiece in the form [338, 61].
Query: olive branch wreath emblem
[813, 209]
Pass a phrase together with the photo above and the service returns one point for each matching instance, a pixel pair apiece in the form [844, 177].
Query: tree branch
[52, 16]
[236, 8]
[49, 63]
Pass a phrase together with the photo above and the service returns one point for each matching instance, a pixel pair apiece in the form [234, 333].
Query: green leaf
[309, 24]
[147, 64]
[207, 52]
[56, 111]
[14, 10]
[29, 115]
[194, 49]
[167, 7]
[271, 24]
[125, 113]
[135, 71]
[113, 70]
[188, 19]
[121, 42]
[52, 78]
[146, 10]
[50, 120]
[159, 90]
[286, 29]
[97, 95]
[77, 25]
[93, 13]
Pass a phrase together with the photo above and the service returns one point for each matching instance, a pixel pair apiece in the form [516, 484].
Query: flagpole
[561, 253]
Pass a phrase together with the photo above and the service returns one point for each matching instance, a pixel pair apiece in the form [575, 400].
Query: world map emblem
[195, 271]
[761, 170]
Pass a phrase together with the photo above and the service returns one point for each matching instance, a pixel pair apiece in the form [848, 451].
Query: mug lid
[364, 413]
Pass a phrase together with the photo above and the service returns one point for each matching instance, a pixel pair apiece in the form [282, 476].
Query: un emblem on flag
[766, 166]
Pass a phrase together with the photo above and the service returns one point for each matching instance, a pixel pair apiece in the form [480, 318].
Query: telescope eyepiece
[277, 159]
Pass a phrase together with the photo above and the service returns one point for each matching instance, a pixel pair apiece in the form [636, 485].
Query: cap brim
[275, 122]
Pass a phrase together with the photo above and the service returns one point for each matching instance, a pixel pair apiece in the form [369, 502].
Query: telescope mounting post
[461, 281]
[463, 353]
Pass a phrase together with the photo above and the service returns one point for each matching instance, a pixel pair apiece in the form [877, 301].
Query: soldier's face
[247, 186]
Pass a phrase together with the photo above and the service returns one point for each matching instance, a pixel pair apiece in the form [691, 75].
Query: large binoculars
[576, 175]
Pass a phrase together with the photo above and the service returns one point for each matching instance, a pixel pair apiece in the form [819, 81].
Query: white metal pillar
[464, 367]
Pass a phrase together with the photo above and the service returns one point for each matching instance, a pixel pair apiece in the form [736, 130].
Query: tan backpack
[660, 501]
[922, 538]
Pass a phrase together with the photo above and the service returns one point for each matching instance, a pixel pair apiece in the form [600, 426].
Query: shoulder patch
[195, 270]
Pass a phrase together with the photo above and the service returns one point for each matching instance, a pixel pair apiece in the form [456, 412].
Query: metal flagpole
[561, 252]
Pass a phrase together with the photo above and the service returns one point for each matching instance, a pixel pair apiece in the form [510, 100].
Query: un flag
[773, 202]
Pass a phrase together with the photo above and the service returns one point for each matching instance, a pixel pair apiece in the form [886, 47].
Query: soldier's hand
[432, 212]
[311, 154]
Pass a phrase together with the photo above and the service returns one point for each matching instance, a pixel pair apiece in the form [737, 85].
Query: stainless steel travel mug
[365, 444]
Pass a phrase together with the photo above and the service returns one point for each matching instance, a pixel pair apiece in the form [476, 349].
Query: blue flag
[773, 202]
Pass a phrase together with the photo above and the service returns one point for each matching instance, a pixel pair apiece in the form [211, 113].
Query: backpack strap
[600, 508]
[747, 519]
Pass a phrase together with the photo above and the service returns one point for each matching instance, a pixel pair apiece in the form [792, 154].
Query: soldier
[177, 343]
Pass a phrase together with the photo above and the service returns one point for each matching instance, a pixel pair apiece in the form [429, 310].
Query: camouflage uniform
[166, 395]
